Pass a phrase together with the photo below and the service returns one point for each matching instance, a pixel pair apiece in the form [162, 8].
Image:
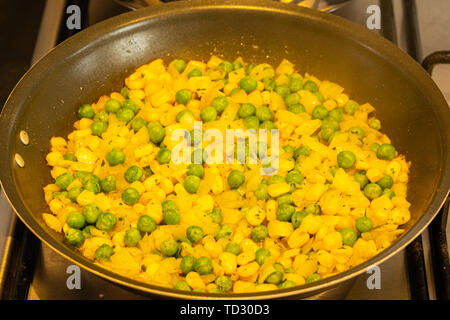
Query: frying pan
[95, 62]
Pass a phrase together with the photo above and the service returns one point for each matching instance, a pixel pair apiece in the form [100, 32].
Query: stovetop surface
[50, 276]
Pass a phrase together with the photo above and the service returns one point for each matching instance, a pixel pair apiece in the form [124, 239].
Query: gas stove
[31, 270]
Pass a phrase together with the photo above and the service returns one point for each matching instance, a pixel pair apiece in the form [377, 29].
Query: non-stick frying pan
[95, 62]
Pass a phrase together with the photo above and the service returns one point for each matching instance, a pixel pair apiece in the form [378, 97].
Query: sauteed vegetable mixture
[336, 198]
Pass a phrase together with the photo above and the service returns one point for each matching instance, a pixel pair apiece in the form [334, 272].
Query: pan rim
[119, 24]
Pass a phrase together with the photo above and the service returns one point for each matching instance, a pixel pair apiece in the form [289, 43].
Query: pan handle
[437, 229]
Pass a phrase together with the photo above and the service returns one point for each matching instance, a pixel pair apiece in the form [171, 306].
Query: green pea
[86, 111]
[237, 65]
[350, 107]
[292, 99]
[259, 233]
[92, 185]
[313, 208]
[57, 195]
[386, 182]
[138, 123]
[386, 152]
[389, 193]
[203, 266]
[336, 114]
[375, 124]
[195, 73]
[224, 283]
[130, 196]
[183, 96]
[276, 179]
[269, 83]
[235, 179]
[133, 173]
[361, 178]
[233, 248]
[312, 278]
[372, 191]
[311, 86]
[374, 147]
[76, 220]
[125, 115]
[224, 232]
[191, 183]
[169, 247]
[274, 278]
[226, 66]
[91, 212]
[296, 108]
[108, 184]
[283, 90]
[155, 132]
[297, 218]
[326, 133]
[234, 91]
[196, 137]
[179, 65]
[187, 263]
[302, 151]
[319, 96]
[73, 193]
[194, 233]
[208, 114]
[195, 169]
[124, 92]
[163, 156]
[246, 110]
[284, 199]
[364, 224]
[112, 105]
[106, 221]
[64, 180]
[294, 176]
[248, 84]
[104, 252]
[284, 212]
[330, 123]
[130, 104]
[261, 255]
[115, 157]
[219, 103]
[75, 237]
[287, 284]
[182, 285]
[171, 216]
[251, 122]
[169, 204]
[146, 224]
[132, 237]
[249, 68]
[357, 131]
[319, 112]
[346, 159]
[70, 157]
[349, 236]
[263, 113]
[216, 216]
[295, 83]
[268, 125]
